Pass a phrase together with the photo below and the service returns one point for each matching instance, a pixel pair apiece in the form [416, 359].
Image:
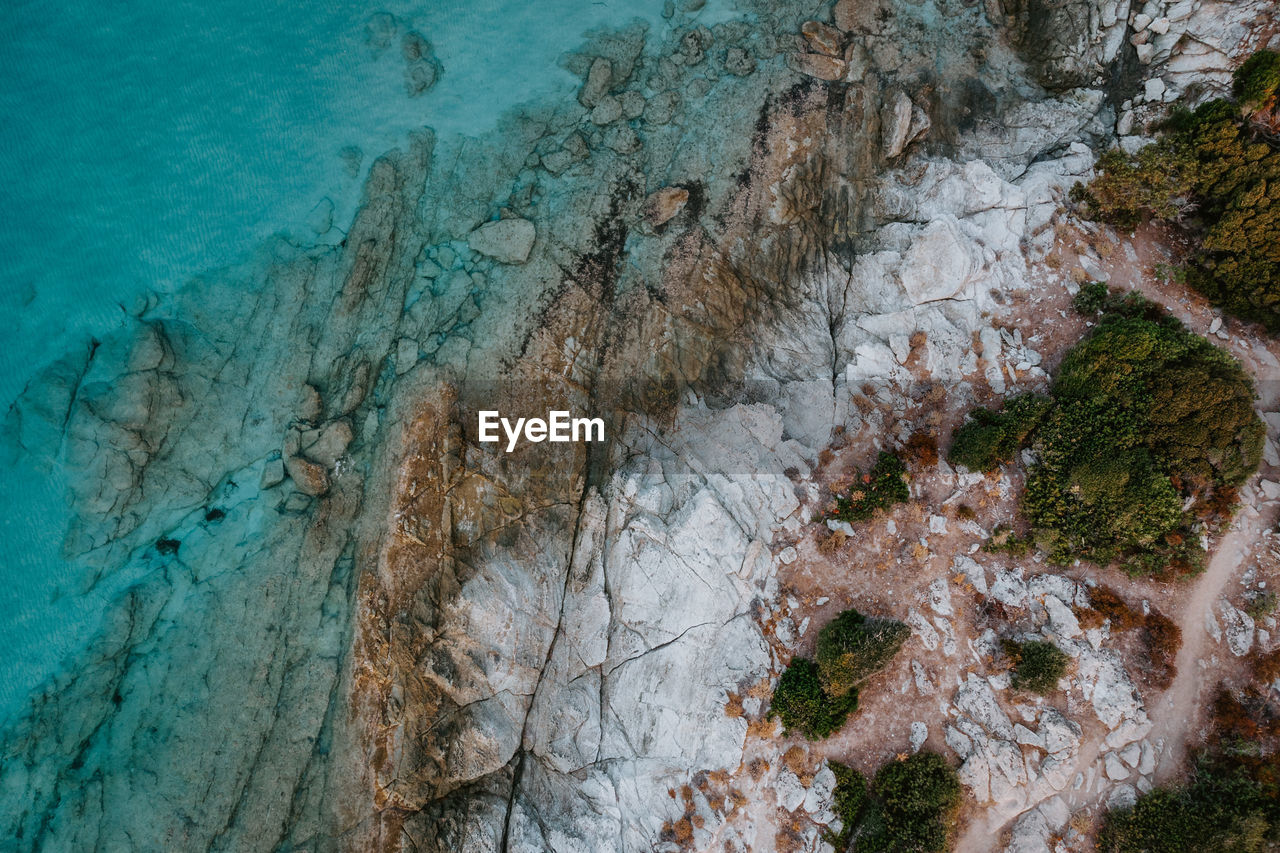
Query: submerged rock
[507, 241]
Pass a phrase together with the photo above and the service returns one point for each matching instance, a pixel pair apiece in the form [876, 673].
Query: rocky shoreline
[731, 243]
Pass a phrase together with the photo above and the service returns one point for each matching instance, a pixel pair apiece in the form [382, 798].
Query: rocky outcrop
[1070, 43]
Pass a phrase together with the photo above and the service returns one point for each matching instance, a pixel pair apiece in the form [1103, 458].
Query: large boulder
[507, 241]
[939, 263]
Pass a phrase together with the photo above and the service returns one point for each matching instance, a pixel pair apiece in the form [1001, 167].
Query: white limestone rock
[974, 698]
[939, 262]
[940, 597]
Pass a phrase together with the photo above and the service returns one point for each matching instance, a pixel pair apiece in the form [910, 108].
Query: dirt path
[1179, 710]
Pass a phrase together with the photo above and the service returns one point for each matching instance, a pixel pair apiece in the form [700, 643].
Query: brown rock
[311, 406]
[329, 444]
[855, 15]
[817, 65]
[664, 204]
[822, 38]
[310, 478]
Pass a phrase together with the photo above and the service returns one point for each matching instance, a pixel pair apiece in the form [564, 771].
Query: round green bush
[853, 647]
[918, 798]
[1039, 666]
[803, 706]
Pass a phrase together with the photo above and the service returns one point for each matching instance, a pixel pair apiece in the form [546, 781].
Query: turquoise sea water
[146, 142]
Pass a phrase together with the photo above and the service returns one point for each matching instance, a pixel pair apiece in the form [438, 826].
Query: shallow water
[148, 142]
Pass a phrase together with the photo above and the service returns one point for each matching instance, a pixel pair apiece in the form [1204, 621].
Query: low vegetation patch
[1146, 434]
[1161, 639]
[988, 439]
[853, 647]
[881, 487]
[1037, 665]
[804, 707]
[1216, 171]
[911, 805]
[814, 698]
[1160, 636]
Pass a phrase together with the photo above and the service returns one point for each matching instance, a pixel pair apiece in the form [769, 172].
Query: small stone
[1146, 52]
[292, 442]
[607, 111]
[940, 597]
[1147, 763]
[312, 406]
[1153, 90]
[329, 444]
[633, 104]
[818, 65]
[406, 355]
[665, 204]
[738, 62]
[1160, 26]
[920, 124]
[789, 790]
[1215, 325]
[272, 473]
[309, 477]
[901, 347]
[1141, 22]
[822, 38]
[1026, 737]
[597, 83]
[297, 502]
[1122, 797]
[557, 161]
[1116, 770]
[919, 734]
[895, 121]
[623, 139]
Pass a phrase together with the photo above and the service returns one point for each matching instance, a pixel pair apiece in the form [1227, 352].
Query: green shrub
[1213, 172]
[1227, 805]
[883, 486]
[910, 806]
[853, 647]
[1260, 603]
[1256, 83]
[988, 439]
[850, 800]
[1159, 181]
[915, 806]
[803, 706]
[1038, 666]
[1092, 298]
[1004, 541]
[1144, 416]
